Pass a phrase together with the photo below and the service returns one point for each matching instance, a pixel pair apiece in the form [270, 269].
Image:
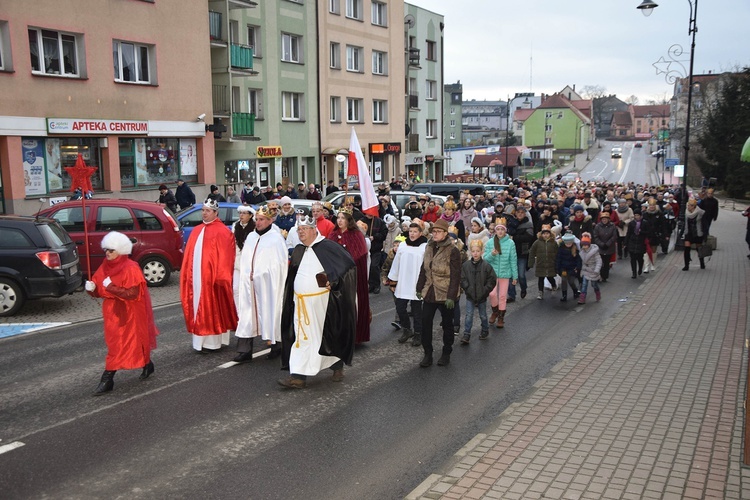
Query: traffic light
[217, 128]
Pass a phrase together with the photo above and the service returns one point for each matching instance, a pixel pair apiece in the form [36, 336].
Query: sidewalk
[650, 407]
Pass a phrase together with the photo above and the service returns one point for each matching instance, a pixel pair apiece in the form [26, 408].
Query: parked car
[154, 231]
[449, 188]
[192, 216]
[37, 259]
[659, 153]
[337, 199]
[304, 205]
[616, 152]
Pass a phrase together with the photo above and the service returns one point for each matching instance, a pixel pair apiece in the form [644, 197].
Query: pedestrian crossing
[11, 329]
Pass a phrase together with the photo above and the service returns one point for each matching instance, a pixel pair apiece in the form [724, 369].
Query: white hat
[389, 219]
[246, 209]
[212, 204]
[284, 200]
[118, 242]
[306, 221]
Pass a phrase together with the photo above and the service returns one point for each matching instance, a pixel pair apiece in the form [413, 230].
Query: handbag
[705, 251]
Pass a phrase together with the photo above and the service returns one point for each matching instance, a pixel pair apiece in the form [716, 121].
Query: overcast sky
[489, 44]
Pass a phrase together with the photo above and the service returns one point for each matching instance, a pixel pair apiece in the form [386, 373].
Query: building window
[255, 102]
[431, 132]
[335, 55]
[353, 110]
[354, 9]
[453, 135]
[519, 126]
[334, 7]
[468, 159]
[6, 63]
[431, 51]
[131, 62]
[45, 159]
[453, 123]
[254, 39]
[379, 111]
[379, 14]
[291, 106]
[54, 53]
[379, 63]
[335, 109]
[453, 110]
[431, 90]
[548, 141]
[548, 128]
[291, 48]
[548, 114]
[354, 59]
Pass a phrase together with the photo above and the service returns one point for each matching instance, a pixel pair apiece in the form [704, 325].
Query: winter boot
[106, 384]
[416, 340]
[484, 335]
[466, 338]
[493, 316]
[540, 296]
[564, 297]
[576, 293]
[147, 371]
[686, 255]
[582, 298]
[501, 319]
[703, 262]
[406, 335]
[598, 295]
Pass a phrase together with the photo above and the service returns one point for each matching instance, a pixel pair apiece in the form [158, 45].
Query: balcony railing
[413, 101]
[243, 124]
[241, 56]
[220, 99]
[413, 56]
[214, 25]
[413, 142]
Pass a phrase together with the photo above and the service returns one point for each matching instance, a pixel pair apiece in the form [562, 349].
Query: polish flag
[358, 167]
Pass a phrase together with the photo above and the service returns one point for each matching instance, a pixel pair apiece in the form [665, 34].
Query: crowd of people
[301, 284]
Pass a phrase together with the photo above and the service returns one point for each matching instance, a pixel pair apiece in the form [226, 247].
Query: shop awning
[335, 151]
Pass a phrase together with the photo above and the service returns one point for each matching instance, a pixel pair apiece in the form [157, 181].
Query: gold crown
[502, 221]
[264, 211]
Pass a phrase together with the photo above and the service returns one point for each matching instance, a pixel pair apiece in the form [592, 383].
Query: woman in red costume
[350, 237]
[129, 328]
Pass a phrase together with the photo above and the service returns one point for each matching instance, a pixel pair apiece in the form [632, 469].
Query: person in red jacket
[129, 328]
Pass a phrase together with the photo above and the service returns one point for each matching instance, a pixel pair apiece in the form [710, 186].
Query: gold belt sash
[302, 317]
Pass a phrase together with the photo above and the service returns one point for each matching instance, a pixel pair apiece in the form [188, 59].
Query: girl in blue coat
[500, 253]
[568, 265]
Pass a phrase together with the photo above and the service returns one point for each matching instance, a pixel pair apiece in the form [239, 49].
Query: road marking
[11, 446]
[255, 355]
[627, 166]
[11, 329]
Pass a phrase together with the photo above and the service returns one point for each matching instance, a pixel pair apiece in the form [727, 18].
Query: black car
[37, 259]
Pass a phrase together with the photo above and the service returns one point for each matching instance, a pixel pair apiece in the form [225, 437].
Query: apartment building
[79, 77]
[452, 124]
[360, 84]
[424, 84]
[264, 65]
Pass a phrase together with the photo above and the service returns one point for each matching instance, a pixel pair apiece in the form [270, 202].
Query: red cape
[216, 311]
[354, 242]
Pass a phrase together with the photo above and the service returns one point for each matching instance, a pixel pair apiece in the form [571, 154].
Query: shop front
[384, 161]
[415, 168]
[132, 157]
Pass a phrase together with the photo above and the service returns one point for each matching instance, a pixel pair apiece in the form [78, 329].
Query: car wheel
[11, 297]
[156, 271]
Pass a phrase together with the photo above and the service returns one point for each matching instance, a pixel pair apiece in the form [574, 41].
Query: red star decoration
[81, 175]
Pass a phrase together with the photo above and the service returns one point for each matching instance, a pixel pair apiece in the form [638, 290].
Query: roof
[651, 109]
[584, 106]
[514, 152]
[621, 119]
[521, 115]
[557, 101]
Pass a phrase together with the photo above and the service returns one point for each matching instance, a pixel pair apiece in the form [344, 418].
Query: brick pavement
[649, 407]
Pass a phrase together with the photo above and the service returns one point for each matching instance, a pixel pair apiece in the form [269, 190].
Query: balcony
[241, 57]
[414, 100]
[243, 125]
[413, 57]
[220, 99]
[413, 143]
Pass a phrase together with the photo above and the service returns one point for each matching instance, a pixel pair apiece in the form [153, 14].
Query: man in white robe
[263, 270]
[319, 318]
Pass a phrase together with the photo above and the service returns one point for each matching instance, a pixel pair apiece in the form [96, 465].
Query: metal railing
[241, 56]
[243, 124]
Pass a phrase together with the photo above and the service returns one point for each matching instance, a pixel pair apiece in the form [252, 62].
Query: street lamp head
[647, 6]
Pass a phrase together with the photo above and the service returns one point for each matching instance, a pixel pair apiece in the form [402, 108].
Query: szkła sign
[268, 151]
[95, 126]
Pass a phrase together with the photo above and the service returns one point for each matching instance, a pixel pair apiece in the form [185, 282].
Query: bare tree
[633, 99]
[593, 91]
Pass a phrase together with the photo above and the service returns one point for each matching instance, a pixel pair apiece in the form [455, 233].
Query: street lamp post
[647, 6]
[544, 164]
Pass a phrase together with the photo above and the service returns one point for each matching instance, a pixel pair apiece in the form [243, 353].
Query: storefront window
[44, 162]
[127, 162]
[161, 161]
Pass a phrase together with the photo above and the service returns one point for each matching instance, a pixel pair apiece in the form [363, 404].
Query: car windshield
[54, 235]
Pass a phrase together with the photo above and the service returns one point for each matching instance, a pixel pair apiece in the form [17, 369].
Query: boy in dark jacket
[477, 281]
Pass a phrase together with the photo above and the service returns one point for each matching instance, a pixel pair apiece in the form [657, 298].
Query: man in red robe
[206, 282]
[319, 216]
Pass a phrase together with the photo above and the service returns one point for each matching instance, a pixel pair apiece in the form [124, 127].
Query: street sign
[671, 162]
[679, 170]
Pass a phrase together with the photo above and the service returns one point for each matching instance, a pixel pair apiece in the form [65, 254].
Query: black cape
[339, 329]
